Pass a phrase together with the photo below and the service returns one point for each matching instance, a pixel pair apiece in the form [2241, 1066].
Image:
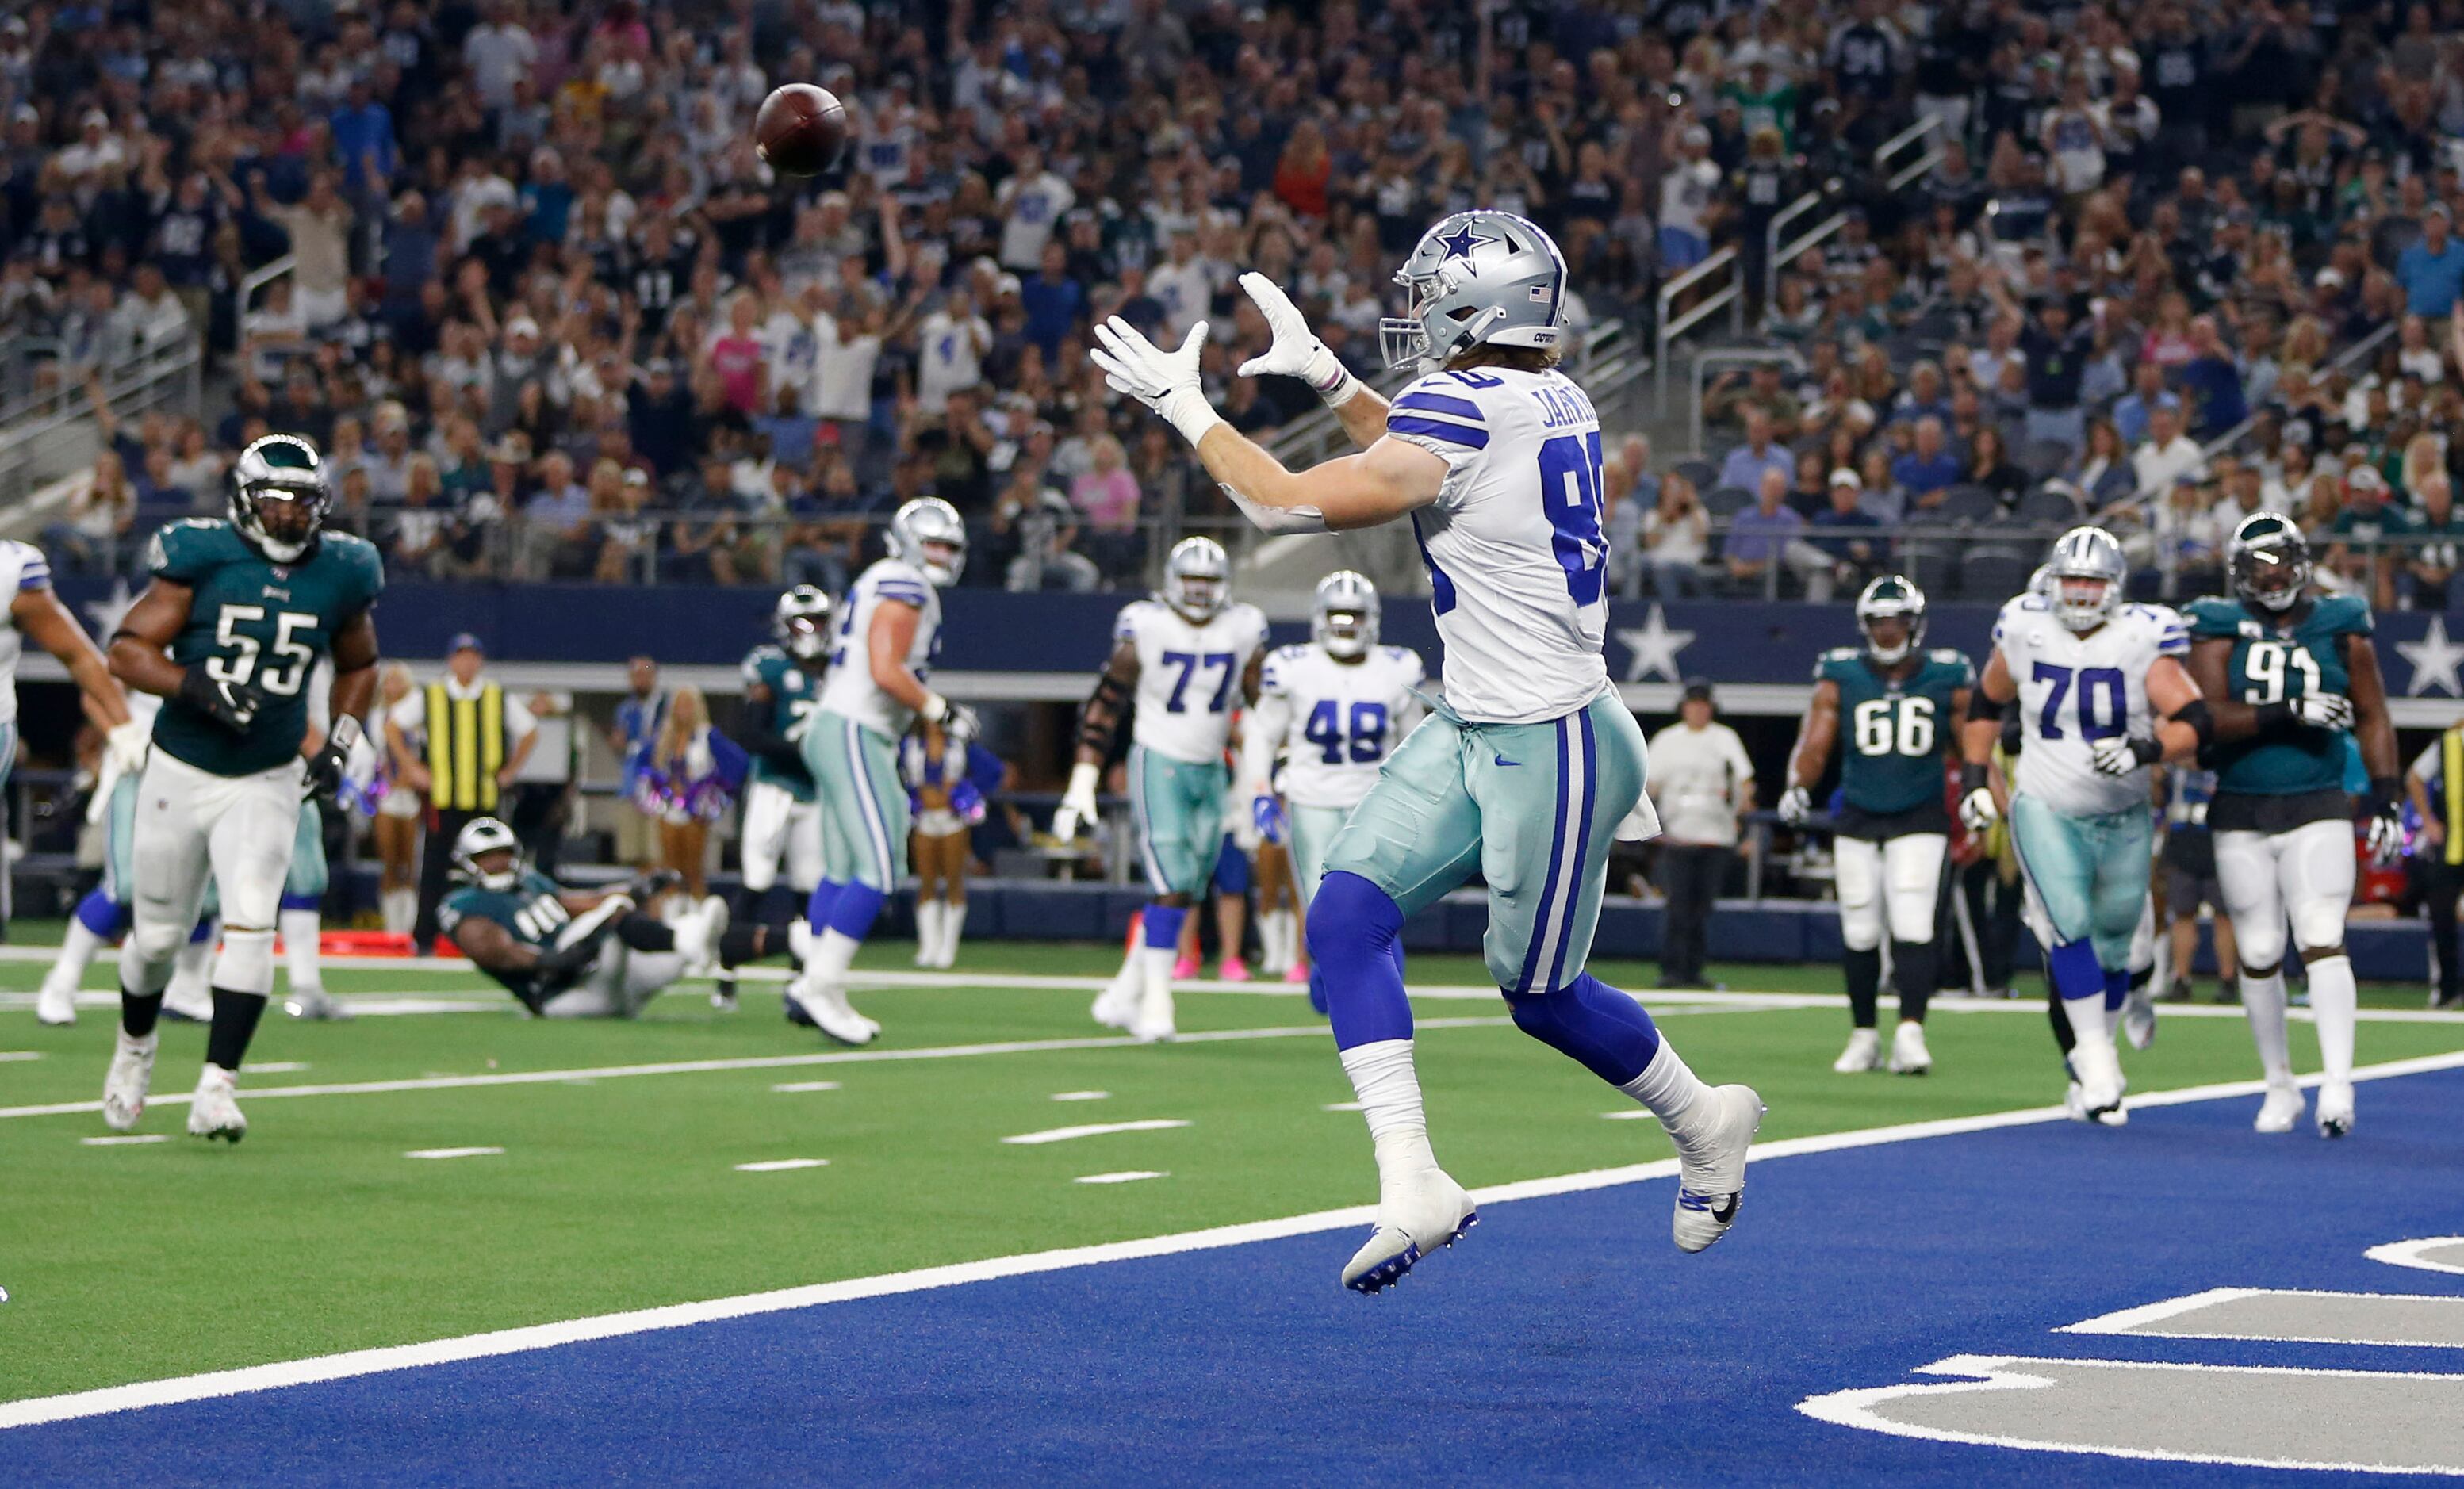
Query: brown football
[799, 130]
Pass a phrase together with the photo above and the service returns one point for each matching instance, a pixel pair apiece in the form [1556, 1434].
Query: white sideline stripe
[1342, 1107]
[1081, 1096]
[453, 1152]
[782, 1165]
[1095, 1130]
[278, 1067]
[129, 1140]
[2415, 1253]
[609, 1325]
[1125, 1177]
[445, 1083]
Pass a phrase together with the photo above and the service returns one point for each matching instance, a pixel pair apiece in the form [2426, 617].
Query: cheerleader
[682, 790]
[394, 812]
[946, 780]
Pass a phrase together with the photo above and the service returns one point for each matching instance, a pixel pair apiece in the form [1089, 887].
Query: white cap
[1843, 477]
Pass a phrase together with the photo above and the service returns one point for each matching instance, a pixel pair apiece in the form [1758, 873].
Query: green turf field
[618, 1186]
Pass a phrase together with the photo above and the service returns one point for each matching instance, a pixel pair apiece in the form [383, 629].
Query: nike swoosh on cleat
[1728, 1212]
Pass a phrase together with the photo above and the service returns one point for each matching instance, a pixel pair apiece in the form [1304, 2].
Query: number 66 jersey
[2075, 690]
[1513, 541]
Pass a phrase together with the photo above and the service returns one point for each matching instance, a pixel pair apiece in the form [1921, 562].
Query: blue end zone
[1565, 1341]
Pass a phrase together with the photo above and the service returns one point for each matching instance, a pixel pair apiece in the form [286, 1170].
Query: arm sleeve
[1268, 724]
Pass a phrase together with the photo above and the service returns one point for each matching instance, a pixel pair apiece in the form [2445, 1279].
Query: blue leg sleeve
[2075, 971]
[2117, 989]
[103, 915]
[817, 909]
[853, 913]
[1164, 926]
[1591, 1022]
[1354, 932]
[299, 902]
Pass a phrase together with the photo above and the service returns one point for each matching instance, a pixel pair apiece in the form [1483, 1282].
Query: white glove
[2120, 755]
[126, 743]
[1297, 352]
[1077, 803]
[2324, 711]
[1977, 812]
[1165, 382]
[2387, 836]
[1796, 805]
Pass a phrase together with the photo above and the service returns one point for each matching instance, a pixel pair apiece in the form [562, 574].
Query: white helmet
[2082, 556]
[1476, 276]
[1343, 616]
[1197, 578]
[1888, 596]
[281, 468]
[802, 622]
[482, 835]
[929, 519]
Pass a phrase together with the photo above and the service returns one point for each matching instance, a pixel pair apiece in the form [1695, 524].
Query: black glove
[567, 964]
[651, 884]
[325, 766]
[232, 705]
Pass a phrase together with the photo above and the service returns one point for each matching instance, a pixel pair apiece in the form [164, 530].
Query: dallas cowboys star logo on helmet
[1461, 242]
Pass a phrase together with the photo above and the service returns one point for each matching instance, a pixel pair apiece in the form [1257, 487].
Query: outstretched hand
[1166, 382]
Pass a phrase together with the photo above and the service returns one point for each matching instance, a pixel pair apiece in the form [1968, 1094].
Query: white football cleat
[1416, 1216]
[2138, 1017]
[1864, 1052]
[697, 933]
[1908, 1053]
[826, 1005]
[1153, 1023]
[2334, 1108]
[57, 1003]
[314, 1002]
[125, 1083]
[2074, 1106]
[1711, 1170]
[2099, 1076]
[2281, 1111]
[1116, 1007]
[214, 1110]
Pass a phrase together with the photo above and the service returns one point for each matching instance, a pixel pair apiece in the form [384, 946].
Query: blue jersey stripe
[1440, 404]
[1438, 429]
[914, 595]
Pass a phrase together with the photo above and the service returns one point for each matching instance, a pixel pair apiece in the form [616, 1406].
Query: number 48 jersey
[1895, 733]
[2077, 689]
[1513, 541]
[1189, 675]
[1338, 720]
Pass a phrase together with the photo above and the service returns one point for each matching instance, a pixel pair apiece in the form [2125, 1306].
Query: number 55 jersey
[2075, 690]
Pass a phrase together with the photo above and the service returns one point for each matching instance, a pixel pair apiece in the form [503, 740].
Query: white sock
[401, 909]
[1155, 967]
[2333, 1003]
[833, 956]
[928, 932]
[954, 920]
[189, 966]
[1288, 924]
[300, 929]
[1670, 1090]
[1388, 1089]
[2262, 1002]
[77, 949]
[2090, 1023]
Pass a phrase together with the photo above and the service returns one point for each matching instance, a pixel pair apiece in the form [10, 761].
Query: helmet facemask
[1345, 634]
[2084, 601]
[482, 842]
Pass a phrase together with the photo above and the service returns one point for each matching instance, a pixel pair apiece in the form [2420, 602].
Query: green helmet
[1891, 595]
[283, 469]
[2269, 560]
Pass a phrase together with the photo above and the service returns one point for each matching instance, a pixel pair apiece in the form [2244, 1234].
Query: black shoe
[2449, 1000]
[2178, 993]
[2228, 991]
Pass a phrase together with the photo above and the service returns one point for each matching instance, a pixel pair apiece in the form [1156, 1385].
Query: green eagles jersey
[794, 694]
[2272, 663]
[1893, 736]
[532, 912]
[255, 622]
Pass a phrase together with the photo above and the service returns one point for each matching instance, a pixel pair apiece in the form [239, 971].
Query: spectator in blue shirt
[1927, 471]
[1770, 534]
[2213, 380]
[2148, 393]
[1053, 300]
[1760, 454]
[2431, 270]
[364, 139]
[639, 717]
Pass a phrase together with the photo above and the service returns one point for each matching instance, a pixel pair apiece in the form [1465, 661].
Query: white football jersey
[850, 692]
[2075, 690]
[1336, 721]
[1513, 543]
[1189, 676]
[22, 567]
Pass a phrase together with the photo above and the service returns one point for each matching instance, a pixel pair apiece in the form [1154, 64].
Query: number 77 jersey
[1513, 545]
[2077, 689]
[1189, 675]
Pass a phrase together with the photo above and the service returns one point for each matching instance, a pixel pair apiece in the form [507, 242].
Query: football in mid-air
[799, 130]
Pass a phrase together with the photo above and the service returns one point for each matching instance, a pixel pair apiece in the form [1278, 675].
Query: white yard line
[782, 1165]
[453, 1153]
[1125, 1177]
[1094, 1129]
[545, 1336]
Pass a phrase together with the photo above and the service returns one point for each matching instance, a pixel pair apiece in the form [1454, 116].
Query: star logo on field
[1652, 647]
[2435, 661]
[1460, 244]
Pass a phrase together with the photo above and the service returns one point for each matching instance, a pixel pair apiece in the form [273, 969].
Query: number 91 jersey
[1338, 720]
[1895, 733]
[1189, 675]
[2271, 664]
[260, 624]
[1513, 543]
[2077, 689]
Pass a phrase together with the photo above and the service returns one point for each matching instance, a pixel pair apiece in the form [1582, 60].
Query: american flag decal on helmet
[1539, 292]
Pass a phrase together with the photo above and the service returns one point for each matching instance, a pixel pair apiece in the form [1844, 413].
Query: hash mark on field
[1635, 1114]
[806, 1085]
[1081, 1096]
[782, 1165]
[20, 1054]
[1341, 1106]
[1125, 1177]
[123, 1142]
[453, 1152]
[278, 1067]
[1095, 1130]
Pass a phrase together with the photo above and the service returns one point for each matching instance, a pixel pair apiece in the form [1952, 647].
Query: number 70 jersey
[1189, 675]
[2077, 689]
[1513, 545]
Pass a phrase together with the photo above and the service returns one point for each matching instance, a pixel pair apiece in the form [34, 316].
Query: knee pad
[2264, 946]
[1347, 910]
[2319, 927]
[156, 943]
[246, 962]
[2256, 972]
[1860, 925]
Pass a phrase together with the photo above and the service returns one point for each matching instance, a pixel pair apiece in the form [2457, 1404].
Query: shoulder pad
[185, 551]
[2350, 615]
[361, 559]
[1125, 625]
[1444, 409]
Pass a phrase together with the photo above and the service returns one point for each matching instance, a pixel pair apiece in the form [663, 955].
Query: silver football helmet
[1481, 276]
[2085, 578]
[482, 836]
[926, 522]
[284, 470]
[802, 622]
[1343, 615]
[1197, 578]
[1891, 596]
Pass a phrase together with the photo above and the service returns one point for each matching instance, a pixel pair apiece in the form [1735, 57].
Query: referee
[459, 742]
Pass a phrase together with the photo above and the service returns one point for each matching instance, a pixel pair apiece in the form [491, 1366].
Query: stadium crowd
[553, 317]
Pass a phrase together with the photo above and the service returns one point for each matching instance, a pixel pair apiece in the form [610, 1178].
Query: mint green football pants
[1178, 810]
[2087, 874]
[864, 804]
[1313, 831]
[1534, 807]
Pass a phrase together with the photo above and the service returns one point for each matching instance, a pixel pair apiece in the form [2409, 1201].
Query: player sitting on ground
[2296, 680]
[1531, 764]
[1891, 832]
[2102, 696]
[567, 954]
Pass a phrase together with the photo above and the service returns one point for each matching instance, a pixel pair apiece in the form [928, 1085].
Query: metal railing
[259, 277]
[1914, 137]
[47, 446]
[1773, 255]
[1673, 323]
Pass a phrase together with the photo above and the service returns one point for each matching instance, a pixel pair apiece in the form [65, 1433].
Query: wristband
[1972, 777]
[934, 709]
[2272, 717]
[2384, 792]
